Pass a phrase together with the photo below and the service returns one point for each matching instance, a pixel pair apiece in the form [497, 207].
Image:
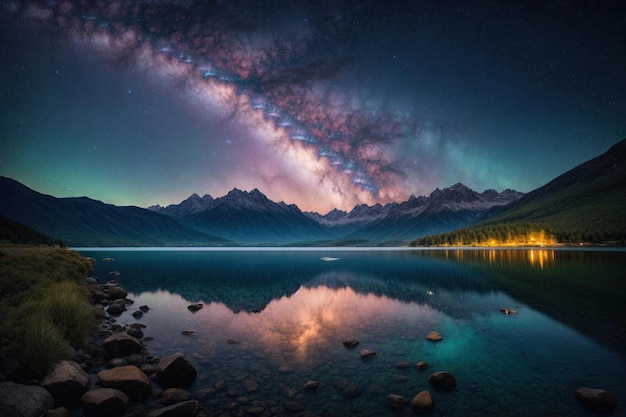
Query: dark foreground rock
[17, 400]
[121, 344]
[174, 395]
[131, 380]
[176, 369]
[184, 409]
[67, 382]
[443, 380]
[596, 399]
[105, 402]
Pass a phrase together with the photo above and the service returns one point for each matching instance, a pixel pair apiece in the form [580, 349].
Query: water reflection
[583, 289]
[523, 364]
[305, 323]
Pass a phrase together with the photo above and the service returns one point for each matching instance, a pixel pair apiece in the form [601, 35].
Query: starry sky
[325, 104]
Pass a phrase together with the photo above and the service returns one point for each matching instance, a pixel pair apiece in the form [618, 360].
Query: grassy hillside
[586, 204]
[43, 306]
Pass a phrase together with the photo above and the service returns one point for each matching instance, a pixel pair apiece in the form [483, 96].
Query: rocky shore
[116, 375]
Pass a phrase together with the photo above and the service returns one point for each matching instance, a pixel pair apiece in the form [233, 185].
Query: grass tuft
[43, 345]
[66, 306]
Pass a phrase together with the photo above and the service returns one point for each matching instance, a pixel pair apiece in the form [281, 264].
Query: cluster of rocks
[107, 375]
[422, 401]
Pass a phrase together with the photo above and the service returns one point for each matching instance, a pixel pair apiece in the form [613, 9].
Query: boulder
[395, 401]
[421, 365]
[128, 379]
[176, 369]
[121, 344]
[67, 382]
[443, 380]
[184, 409]
[117, 307]
[105, 402]
[116, 293]
[137, 314]
[17, 400]
[174, 395]
[596, 399]
[434, 336]
[423, 401]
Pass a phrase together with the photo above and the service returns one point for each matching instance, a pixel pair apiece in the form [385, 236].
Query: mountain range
[250, 218]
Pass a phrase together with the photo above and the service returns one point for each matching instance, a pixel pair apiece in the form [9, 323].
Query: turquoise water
[289, 312]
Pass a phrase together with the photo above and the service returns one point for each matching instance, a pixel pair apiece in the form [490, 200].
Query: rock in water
[422, 401]
[366, 353]
[67, 382]
[116, 293]
[105, 402]
[596, 399]
[176, 369]
[195, 307]
[395, 401]
[184, 409]
[311, 385]
[443, 380]
[250, 385]
[350, 343]
[17, 400]
[434, 336]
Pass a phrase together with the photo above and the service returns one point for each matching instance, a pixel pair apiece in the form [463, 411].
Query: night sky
[321, 103]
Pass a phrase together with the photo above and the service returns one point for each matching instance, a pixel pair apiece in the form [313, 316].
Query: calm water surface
[289, 311]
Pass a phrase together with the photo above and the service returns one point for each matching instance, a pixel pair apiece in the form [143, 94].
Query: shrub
[43, 345]
[66, 306]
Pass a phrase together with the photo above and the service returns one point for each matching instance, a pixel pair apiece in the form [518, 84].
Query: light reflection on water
[529, 363]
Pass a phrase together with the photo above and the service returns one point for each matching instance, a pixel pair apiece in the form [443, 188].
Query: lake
[278, 317]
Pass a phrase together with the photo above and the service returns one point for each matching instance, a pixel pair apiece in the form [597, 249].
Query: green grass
[43, 305]
[43, 345]
[65, 304]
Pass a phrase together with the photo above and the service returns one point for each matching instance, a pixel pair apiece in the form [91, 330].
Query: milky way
[286, 76]
[274, 84]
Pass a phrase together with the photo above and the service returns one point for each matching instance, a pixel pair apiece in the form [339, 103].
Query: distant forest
[518, 234]
[13, 232]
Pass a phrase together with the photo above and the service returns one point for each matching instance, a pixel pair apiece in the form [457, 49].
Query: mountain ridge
[591, 193]
[81, 221]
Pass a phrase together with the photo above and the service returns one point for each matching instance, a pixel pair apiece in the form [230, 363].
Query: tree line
[518, 234]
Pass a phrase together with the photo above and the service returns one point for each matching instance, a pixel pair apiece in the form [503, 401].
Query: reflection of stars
[228, 141]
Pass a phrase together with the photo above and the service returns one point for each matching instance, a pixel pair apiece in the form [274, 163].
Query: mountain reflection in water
[280, 317]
